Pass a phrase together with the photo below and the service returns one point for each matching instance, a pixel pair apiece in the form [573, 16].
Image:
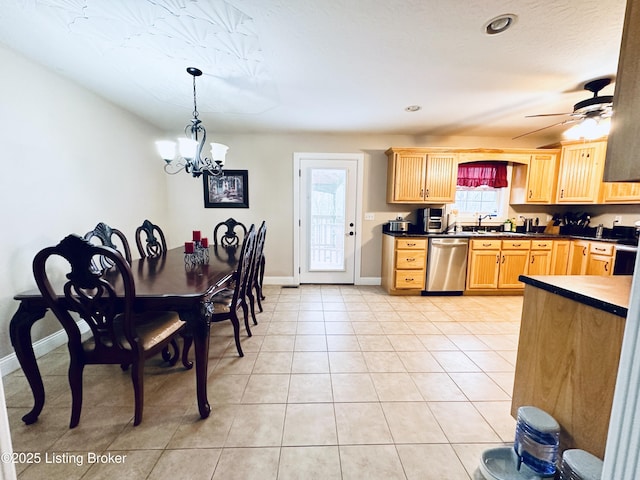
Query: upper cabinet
[535, 181]
[580, 173]
[624, 140]
[420, 176]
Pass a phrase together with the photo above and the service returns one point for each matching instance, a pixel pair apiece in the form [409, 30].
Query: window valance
[476, 174]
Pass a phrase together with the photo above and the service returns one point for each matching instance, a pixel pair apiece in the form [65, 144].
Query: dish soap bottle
[507, 225]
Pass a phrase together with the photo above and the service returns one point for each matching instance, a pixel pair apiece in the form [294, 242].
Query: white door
[327, 218]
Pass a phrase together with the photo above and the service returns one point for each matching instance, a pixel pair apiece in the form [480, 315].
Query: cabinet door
[540, 178]
[600, 265]
[539, 262]
[621, 193]
[408, 178]
[580, 173]
[513, 263]
[559, 257]
[578, 257]
[442, 174]
[483, 269]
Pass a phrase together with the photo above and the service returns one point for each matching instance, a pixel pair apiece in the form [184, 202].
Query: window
[481, 191]
[476, 200]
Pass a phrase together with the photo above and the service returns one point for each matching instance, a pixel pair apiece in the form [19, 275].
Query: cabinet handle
[411, 244]
[600, 249]
[606, 266]
[516, 244]
[422, 192]
[532, 259]
[411, 259]
[503, 258]
[408, 279]
[584, 251]
[530, 193]
[542, 244]
[562, 193]
[486, 244]
[427, 195]
[498, 258]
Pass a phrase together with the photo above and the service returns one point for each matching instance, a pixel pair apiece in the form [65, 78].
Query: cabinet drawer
[516, 244]
[485, 244]
[598, 248]
[410, 258]
[410, 279]
[541, 244]
[411, 243]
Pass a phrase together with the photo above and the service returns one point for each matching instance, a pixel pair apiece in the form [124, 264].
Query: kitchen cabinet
[418, 176]
[580, 172]
[513, 263]
[540, 257]
[559, 257]
[578, 257]
[620, 192]
[404, 261]
[497, 264]
[535, 182]
[601, 258]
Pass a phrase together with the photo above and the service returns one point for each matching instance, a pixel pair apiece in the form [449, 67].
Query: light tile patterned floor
[337, 382]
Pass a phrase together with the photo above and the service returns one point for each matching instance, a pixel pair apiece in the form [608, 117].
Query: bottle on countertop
[507, 225]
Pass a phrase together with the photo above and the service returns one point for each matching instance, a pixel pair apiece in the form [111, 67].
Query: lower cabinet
[559, 257]
[578, 257]
[497, 264]
[601, 258]
[540, 257]
[404, 261]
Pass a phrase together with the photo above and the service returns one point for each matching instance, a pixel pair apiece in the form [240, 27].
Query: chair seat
[222, 300]
[151, 327]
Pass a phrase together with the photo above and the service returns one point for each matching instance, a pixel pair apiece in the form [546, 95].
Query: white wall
[69, 160]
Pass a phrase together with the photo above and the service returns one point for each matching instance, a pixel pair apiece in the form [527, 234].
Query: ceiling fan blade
[564, 122]
[547, 115]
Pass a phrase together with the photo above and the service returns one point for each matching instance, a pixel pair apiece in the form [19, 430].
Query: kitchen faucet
[482, 217]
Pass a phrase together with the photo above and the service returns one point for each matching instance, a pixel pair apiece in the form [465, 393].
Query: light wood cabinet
[497, 264]
[601, 258]
[580, 172]
[540, 257]
[513, 263]
[559, 257]
[535, 182]
[620, 192]
[578, 257]
[404, 263]
[421, 177]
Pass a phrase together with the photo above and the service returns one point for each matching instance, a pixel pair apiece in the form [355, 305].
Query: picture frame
[229, 190]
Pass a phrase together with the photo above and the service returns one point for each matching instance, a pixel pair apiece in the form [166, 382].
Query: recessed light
[500, 23]
[412, 108]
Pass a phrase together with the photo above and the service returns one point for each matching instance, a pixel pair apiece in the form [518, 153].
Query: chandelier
[189, 152]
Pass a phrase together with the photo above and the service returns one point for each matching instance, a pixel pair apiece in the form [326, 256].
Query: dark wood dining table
[162, 283]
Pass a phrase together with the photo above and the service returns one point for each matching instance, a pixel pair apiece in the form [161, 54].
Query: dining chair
[254, 287]
[106, 235]
[104, 300]
[229, 237]
[155, 244]
[224, 304]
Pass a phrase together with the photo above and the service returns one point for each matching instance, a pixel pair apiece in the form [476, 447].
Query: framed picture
[230, 190]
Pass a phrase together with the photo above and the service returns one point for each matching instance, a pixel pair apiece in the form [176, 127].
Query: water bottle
[537, 439]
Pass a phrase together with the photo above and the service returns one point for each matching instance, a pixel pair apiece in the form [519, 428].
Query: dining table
[166, 283]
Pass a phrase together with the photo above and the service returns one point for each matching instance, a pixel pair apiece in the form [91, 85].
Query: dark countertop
[610, 294]
[532, 236]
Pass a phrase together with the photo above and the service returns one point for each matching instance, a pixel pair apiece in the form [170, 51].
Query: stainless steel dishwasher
[446, 265]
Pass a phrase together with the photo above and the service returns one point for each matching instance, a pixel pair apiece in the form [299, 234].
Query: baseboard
[369, 281]
[41, 347]
[291, 281]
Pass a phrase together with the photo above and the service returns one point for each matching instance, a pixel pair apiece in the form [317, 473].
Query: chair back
[243, 270]
[229, 237]
[103, 298]
[257, 267]
[155, 244]
[106, 235]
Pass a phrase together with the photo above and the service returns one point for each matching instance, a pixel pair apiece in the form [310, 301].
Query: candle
[188, 247]
[196, 235]
[204, 242]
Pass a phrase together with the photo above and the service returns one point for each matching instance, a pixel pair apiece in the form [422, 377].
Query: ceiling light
[500, 24]
[589, 129]
[412, 108]
[190, 148]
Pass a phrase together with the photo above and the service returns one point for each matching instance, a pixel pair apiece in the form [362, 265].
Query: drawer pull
[486, 244]
[411, 259]
[542, 244]
[411, 244]
[600, 249]
[408, 279]
[516, 244]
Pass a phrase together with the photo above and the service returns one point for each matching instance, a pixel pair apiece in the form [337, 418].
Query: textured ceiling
[327, 65]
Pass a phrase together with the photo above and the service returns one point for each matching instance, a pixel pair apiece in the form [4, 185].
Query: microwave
[431, 220]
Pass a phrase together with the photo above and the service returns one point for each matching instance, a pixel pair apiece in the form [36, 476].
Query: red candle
[196, 235]
[204, 242]
[188, 247]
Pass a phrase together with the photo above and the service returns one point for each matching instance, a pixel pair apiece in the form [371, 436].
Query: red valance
[476, 174]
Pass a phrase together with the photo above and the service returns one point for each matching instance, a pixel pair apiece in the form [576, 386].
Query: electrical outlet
[617, 219]
[369, 216]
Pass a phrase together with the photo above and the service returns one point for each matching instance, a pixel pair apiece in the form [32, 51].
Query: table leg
[198, 325]
[20, 332]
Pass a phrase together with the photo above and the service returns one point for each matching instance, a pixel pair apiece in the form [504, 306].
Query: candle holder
[196, 252]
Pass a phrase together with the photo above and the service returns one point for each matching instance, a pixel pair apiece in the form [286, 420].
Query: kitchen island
[568, 353]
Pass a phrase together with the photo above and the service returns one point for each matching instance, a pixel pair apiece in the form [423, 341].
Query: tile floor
[337, 382]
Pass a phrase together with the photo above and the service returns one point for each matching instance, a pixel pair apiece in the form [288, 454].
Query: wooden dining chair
[106, 235]
[155, 244]
[225, 303]
[104, 300]
[229, 237]
[254, 286]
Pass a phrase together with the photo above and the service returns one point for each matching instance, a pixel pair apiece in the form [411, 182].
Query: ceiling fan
[597, 107]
